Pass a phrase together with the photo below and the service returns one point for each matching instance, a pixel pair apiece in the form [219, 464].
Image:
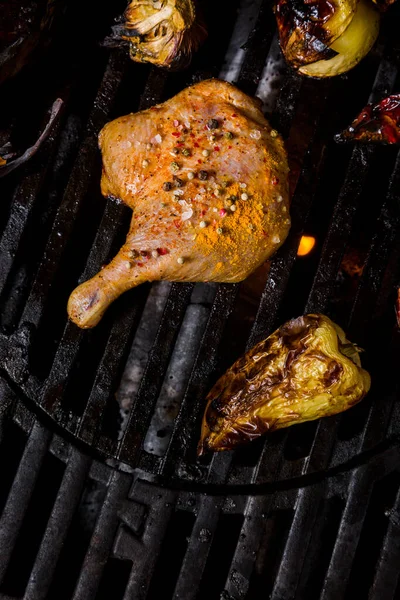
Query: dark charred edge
[291, 15]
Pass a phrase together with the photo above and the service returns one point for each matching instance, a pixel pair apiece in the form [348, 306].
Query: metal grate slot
[172, 552]
[220, 556]
[29, 537]
[320, 549]
[114, 580]
[275, 529]
[76, 543]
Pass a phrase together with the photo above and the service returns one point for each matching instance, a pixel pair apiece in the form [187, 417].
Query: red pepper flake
[139, 264]
[274, 181]
[192, 135]
[222, 212]
[199, 161]
[203, 212]
[229, 147]
[234, 115]
[196, 145]
[217, 148]
[177, 223]
[180, 144]
[143, 253]
[162, 251]
[176, 134]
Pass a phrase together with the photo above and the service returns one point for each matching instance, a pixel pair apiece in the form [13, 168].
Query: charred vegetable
[305, 370]
[23, 25]
[378, 122]
[10, 160]
[162, 32]
[323, 38]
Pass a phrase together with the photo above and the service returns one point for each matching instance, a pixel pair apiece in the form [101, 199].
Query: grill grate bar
[238, 580]
[146, 397]
[257, 48]
[21, 491]
[102, 538]
[57, 528]
[145, 551]
[194, 562]
[348, 535]
[186, 424]
[297, 543]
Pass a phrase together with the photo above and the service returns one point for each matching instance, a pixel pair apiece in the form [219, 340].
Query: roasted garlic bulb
[305, 370]
[323, 38]
[162, 32]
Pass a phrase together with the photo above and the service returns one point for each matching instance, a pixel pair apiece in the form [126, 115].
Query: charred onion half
[305, 370]
[323, 38]
[378, 122]
[161, 32]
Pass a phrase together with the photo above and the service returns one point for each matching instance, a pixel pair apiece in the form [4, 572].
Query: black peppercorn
[178, 182]
[203, 175]
[213, 124]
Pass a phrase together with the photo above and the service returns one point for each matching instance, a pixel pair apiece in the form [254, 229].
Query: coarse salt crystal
[158, 138]
[176, 123]
[276, 239]
[187, 214]
[255, 134]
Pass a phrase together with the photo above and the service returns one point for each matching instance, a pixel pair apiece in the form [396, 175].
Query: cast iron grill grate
[307, 492]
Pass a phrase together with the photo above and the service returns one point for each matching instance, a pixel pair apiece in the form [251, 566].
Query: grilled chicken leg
[206, 178]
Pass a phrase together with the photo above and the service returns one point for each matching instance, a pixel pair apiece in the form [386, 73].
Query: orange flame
[307, 243]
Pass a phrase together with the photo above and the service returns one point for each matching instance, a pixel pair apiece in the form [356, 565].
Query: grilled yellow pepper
[305, 370]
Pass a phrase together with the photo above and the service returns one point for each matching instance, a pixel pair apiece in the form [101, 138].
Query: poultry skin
[206, 178]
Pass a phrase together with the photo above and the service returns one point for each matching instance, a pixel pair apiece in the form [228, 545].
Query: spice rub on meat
[206, 178]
